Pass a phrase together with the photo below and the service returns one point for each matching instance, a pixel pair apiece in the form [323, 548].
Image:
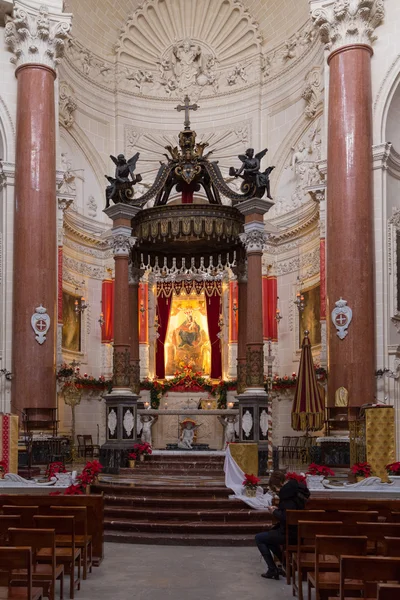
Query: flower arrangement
[3, 468]
[290, 381]
[250, 481]
[87, 477]
[361, 469]
[315, 469]
[297, 477]
[132, 456]
[393, 468]
[142, 448]
[53, 468]
[69, 375]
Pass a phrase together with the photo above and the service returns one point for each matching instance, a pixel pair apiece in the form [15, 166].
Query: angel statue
[187, 436]
[251, 174]
[231, 428]
[144, 426]
[120, 188]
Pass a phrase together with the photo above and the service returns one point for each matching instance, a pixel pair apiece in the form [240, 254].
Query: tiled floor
[180, 573]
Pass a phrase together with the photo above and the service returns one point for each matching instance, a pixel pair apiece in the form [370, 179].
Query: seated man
[292, 496]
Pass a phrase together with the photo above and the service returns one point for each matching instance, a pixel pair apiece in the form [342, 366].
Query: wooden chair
[69, 557]
[376, 532]
[41, 573]
[7, 521]
[395, 516]
[82, 539]
[81, 445]
[304, 561]
[391, 546]
[388, 591]
[332, 546]
[90, 448]
[292, 519]
[26, 513]
[369, 569]
[18, 558]
[285, 446]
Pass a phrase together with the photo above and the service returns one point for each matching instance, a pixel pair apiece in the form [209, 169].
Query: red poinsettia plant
[393, 468]
[297, 477]
[132, 456]
[3, 466]
[142, 448]
[315, 469]
[87, 477]
[250, 481]
[53, 468]
[361, 469]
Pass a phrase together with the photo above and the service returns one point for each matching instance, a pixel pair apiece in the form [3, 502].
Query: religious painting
[310, 317]
[187, 343]
[71, 330]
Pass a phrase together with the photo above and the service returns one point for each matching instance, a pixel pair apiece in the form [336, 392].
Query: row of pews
[42, 538]
[345, 549]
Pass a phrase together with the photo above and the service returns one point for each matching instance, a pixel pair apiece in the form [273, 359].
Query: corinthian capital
[34, 35]
[345, 22]
[122, 241]
[254, 240]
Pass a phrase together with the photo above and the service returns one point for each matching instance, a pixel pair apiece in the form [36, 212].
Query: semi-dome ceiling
[97, 23]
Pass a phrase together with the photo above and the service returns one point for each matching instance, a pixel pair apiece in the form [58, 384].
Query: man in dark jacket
[292, 496]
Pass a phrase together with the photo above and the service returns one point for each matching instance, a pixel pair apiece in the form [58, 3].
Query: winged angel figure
[251, 174]
[120, 187]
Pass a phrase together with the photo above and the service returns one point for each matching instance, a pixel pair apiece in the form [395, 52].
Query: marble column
[253, 402]
[349, 33]
[134, 278]
[242, 328]
[36, 38]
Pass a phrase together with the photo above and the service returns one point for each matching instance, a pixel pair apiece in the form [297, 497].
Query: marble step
[184, 465]
[172, 503]
[186, 514]
[188, 457]
[203, 527]
[149, 470]
[179, 539]
[163, 491]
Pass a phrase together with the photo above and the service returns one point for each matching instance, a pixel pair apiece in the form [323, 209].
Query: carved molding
[347, 22]
[312, 92]
[67, 105]
[92, 271]
[36, 36]
[3, 177]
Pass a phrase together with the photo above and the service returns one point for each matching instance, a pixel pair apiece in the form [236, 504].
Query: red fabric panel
[143, 292]
[60, 284]
[163, 310]
[107, 300]
[322, 278]
[233, 314]
[187, 193]
[213, 311]
[270, 295]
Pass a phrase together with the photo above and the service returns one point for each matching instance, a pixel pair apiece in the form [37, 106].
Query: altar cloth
[234, 477]
[9, 442]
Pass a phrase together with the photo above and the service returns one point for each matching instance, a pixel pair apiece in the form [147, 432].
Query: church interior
[199, 297]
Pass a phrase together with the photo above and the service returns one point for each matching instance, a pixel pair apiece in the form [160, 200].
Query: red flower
[55, 493]
[362, 469]
[297, 477]
[53, 468]
[393, 468]
[250, 481]
[132, 456]
[73, 490]
[315, 469]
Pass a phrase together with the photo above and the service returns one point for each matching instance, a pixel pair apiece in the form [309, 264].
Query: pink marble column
[134, 278]
[242, 328]
[350, 240]
[35, 242]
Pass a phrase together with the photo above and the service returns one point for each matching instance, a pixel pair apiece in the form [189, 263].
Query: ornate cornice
[82, 236]
[345, 22]
[301, 219]
[36, 36]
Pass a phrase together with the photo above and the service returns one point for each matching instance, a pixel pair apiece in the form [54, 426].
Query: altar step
[185, 514]
[184, 464]
[180, 539]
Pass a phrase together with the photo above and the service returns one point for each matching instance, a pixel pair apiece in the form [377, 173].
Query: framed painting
[71, 330]
[311, 315]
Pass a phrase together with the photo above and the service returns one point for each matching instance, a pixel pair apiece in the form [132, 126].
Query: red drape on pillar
[60, 284]
[143, 292]
[107, 302]
[270, 295]
[213, 311]
[163, 310]
[233, 306]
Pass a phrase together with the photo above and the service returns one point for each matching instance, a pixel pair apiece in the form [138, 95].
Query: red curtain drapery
[143, 302]
[213, 304]
[270, 295]
[107, 303]
[233, 309]
[163, 310]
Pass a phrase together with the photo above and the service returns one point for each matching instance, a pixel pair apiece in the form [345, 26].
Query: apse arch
[7, 133]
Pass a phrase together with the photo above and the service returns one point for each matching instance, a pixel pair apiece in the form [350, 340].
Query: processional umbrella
[308, 409]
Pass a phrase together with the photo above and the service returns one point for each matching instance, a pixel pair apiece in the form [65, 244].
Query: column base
[254, 423]
[122, 391]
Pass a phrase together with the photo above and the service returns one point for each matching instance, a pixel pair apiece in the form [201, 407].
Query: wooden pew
[376, 532]
[95, 513]
[18, 558]
[386, 507]
[369, 569]
[388, 591]
[328, 545]
[292, 519]
[391, 546]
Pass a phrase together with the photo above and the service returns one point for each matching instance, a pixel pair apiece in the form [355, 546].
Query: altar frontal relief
[188, 341]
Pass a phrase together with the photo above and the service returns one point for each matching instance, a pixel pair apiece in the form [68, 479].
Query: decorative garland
[69, 375]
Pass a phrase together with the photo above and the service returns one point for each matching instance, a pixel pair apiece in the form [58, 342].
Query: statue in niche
[188, 433]
[230, 425]
[120, 188]
[67, 185]
[186, 63]
[251, 174]
[145, 425]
